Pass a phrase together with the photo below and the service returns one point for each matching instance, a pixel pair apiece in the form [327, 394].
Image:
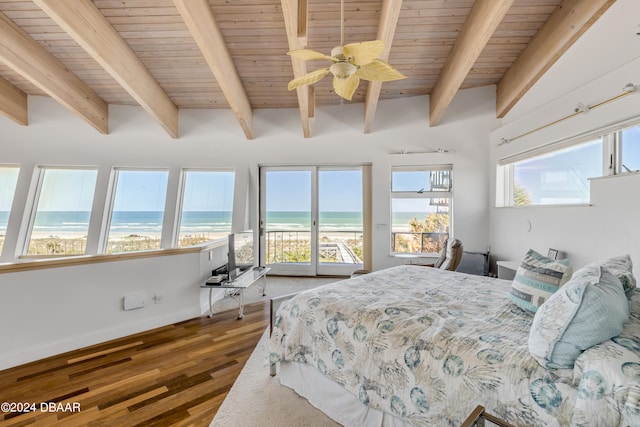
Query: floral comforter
[429, 346]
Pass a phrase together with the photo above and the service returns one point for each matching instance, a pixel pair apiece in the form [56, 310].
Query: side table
[507, 269]
[240, 283]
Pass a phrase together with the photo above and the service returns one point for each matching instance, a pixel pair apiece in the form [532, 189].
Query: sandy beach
[75, 244]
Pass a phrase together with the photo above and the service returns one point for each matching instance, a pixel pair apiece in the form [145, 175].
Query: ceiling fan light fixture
[343, 70]
[338, 53]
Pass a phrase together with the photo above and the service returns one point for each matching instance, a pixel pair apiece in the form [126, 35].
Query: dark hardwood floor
[176, 375]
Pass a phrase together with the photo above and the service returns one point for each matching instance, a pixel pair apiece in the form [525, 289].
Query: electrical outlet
[133, 301]
[158, 297]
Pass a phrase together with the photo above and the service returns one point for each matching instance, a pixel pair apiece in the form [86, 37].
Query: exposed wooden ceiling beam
[565, 25]
[82, 20]
[13, 103]
[484, 18]
[386, 30]
[198, 16]
[293, 20]
[27, 57]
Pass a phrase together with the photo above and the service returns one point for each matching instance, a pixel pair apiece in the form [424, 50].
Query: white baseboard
[51, 349]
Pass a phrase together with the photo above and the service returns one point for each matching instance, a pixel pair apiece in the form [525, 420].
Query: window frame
[618, 152]
[402, 195]
[175, 238]
[12, 199]
[110, 203]
[611, 161]
[40, 172]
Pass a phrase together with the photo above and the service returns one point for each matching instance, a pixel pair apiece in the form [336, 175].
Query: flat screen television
[241, 253]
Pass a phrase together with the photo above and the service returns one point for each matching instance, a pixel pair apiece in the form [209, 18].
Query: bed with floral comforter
[428, 346]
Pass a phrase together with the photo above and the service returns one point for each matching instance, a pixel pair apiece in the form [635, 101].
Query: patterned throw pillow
[622, 268]
[537, 278]
[588, 310]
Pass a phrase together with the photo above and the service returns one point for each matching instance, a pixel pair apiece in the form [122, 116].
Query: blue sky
[340, 191]
[208, 191]
[290, 191]
[8, 180]
[67, 190]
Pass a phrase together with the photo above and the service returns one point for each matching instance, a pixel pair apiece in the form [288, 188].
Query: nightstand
[507, 269]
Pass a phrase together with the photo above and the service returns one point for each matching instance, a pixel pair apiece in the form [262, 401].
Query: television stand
[239, 283]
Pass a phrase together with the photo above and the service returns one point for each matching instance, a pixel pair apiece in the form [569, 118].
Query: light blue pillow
[589, 309]
[537, 278]
[621, 267]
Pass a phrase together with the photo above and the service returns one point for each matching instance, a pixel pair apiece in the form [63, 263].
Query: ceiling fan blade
[379, 71]
[308, 79]
[308, 55]
[346, 87]
[364, 52]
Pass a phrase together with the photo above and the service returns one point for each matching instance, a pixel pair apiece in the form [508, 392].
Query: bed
[411, 345]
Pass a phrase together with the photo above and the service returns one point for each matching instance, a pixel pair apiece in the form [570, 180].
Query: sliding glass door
[287, 221]
[311, 220]
[340, 234]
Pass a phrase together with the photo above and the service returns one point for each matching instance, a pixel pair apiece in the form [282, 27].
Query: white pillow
[589, 309]
[621, 267]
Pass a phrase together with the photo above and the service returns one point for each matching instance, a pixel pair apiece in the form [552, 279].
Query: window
[207, 204]
[558, 173]
[558, 177]
[629, 149]
[60, 222]
[8, 181]
[420, 208]
[137, 211]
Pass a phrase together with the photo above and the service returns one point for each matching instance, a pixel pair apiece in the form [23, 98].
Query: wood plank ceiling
[166, 55]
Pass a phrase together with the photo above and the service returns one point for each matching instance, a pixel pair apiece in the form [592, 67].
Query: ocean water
[333, 221]
[123, 222]
[141, 223]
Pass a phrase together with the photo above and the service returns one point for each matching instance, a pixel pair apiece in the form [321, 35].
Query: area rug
[257, 399]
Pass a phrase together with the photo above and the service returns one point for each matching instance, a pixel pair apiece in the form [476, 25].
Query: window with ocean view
[138, 210]
[60, 222]
[207, 204]
[8, 181]
[420, 208]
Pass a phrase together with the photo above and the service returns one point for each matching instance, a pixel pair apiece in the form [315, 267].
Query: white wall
[44, 312]
[594, 70]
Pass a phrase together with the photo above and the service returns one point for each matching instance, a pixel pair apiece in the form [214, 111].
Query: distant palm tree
[521, 196]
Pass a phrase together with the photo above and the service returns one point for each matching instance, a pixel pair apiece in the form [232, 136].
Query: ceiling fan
[351, 63]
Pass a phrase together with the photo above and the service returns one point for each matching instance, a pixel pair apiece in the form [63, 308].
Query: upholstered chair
[449, 257]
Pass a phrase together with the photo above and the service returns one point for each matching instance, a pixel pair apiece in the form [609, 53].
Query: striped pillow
[537, 278]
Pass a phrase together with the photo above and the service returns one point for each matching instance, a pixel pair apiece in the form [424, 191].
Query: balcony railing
[345, 246]
[283, 246]
[424, 242]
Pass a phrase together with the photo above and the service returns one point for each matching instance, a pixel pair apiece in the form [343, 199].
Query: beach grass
[77, 245]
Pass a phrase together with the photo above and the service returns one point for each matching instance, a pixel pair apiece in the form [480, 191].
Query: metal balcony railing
[284, 246]
[422, 242]
[344, 246]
